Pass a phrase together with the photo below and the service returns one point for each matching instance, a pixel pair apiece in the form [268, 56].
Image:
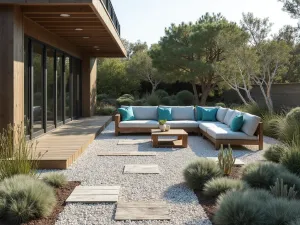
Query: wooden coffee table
[181, 142]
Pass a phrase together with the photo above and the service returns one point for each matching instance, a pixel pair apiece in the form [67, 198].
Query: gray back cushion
[221, 114]
[228, 116]
[182, 112]
[145, 112]
[250, 123]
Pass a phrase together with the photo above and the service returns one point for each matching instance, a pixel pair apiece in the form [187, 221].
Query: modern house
[48, 59]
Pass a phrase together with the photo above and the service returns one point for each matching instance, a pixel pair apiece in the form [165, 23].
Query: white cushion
[139, 124]
[250, 123]
[228, 116]
[182, 112]
[234, 114]
[182, 124]
[204, 125]
[221, 133]
[221, 114]
[145, 112]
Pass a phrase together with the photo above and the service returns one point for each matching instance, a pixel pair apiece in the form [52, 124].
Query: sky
[146, 20]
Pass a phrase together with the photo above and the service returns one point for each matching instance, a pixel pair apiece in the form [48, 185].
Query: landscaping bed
[209, 204]
[62, 194]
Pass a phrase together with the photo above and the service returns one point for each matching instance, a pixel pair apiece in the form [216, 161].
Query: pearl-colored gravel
[167, 186]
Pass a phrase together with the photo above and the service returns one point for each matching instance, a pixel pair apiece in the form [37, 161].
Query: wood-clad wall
[11, 65]
[36, 31]
[89, 84]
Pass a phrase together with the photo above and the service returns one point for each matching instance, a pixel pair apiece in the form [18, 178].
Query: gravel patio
[167, 186]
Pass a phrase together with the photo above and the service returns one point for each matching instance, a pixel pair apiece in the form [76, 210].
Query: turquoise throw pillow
[126, 113]
[237, 123]
[199, 112]
[209, 114]
[165, 114]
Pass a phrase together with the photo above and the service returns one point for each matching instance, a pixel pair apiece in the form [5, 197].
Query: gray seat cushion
[224, 133]
[204, 125]
[139, 124]
[221, 114]
[182, 112]
[250, 123]
[145, 112]
[182, 124]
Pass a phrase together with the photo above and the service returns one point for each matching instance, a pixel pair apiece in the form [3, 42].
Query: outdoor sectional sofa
[185, 117]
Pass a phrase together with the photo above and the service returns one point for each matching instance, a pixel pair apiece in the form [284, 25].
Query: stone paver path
[140, 168]
[132, 153]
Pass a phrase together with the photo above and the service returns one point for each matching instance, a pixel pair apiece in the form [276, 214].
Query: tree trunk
[205, 92]
[195, 93]
[241, 97]
[267, 99]
[250, 97]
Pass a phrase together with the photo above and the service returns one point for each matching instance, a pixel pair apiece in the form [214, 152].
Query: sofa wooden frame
[216, 142]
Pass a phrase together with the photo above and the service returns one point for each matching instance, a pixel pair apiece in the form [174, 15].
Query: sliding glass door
[52, 87]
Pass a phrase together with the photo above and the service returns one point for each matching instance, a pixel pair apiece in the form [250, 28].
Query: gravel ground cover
[167, 186]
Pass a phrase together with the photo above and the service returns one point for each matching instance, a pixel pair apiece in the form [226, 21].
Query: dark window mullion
[71, 87]
[30, 75]
[55, 88]
[45, 88]
[63, 89]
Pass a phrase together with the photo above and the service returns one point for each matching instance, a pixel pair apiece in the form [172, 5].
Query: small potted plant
[162, 125]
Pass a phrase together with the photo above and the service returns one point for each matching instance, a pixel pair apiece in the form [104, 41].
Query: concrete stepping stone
[142, 211]
[132, 142]
[133, 153]
[237, 162]
[140, 168]
[94, 194]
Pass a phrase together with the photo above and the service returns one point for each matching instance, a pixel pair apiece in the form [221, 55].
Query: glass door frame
[30, 84]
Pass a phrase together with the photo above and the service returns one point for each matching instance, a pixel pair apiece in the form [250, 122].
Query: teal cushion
[126, 113]
[237, 123]
[199, 112]
[209, 114]
[165, 114]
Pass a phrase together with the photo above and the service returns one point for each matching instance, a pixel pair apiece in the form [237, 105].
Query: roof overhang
[89, 26]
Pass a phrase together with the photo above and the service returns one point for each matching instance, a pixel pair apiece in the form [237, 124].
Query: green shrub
[290, 180]
[197, 173]
[55, 179]
[295, 222]
[221, 104]
[139, 102]
[153, 100]
[174, 103]
[217, 186]
[161, 93]
[26, 198]
[165, 101]
[294, 114]
[275, 152]
[242, 207]
[185, 98]
[291, 159]
[106, 110]
[282, 211]
[262, 175]
[124, 101]
[102, 97]
[129, 96]
[20, 150]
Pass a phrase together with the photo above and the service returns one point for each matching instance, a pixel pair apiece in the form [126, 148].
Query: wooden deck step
[142, 211]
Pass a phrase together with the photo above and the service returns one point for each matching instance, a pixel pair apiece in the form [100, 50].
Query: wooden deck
[61, 147]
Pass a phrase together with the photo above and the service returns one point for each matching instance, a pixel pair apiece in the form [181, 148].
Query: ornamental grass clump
[17, 155]
[226, 160]
[275, 152]
[197, 173]
[291, 158]
[217, 186]
[242, 207]
[24, 198]
[262, 175]
[55, 179]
